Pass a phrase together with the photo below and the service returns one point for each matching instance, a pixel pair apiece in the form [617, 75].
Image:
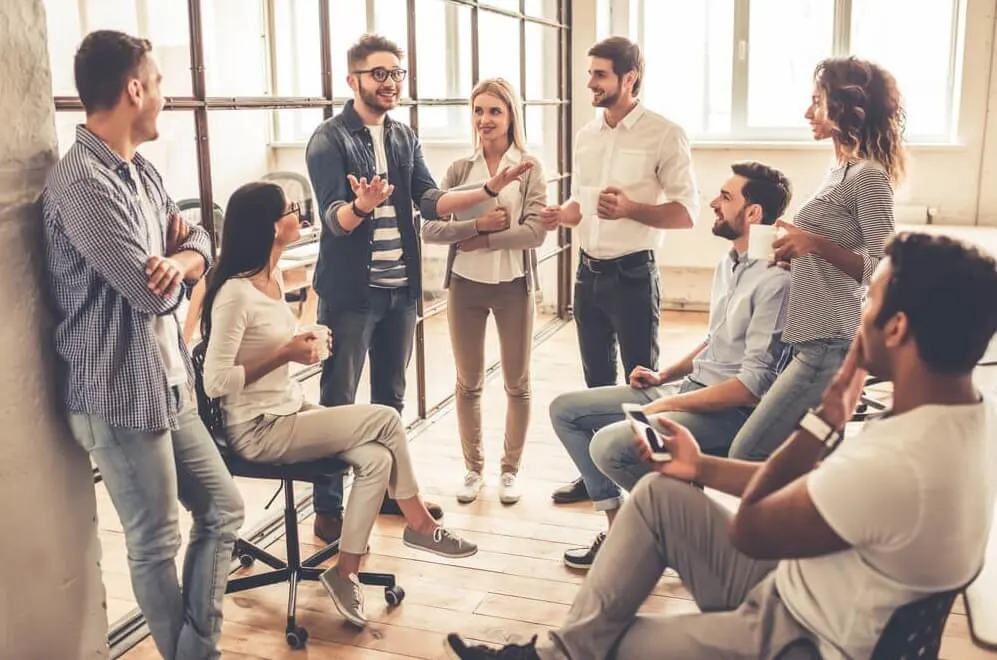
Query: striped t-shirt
[387, 268]
[854, 209]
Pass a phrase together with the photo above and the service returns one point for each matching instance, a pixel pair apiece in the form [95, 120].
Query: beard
[375, 102]
[730, 229]
[608, 100]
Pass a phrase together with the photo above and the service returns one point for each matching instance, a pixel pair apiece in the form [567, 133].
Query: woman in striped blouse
[834, 242]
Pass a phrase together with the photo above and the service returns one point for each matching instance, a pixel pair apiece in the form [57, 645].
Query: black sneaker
[458, 649]
[389, 507]
[583, 557]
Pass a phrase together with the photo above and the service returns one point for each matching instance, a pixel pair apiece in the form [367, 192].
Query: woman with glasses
[253, 337]
[492, 269]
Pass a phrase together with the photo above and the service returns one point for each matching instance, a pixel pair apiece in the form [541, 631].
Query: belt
[617, 263]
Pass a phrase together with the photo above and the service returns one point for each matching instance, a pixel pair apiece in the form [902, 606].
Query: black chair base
[296, 570]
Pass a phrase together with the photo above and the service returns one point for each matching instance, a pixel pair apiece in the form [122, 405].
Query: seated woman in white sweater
[252, 338]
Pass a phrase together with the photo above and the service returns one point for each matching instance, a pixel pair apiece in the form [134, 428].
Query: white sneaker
[509, 489]
[472, 486]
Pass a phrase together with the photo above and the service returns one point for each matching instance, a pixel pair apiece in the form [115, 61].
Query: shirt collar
[512, 155]
[355, 123]
[103, 153]
[630, 119]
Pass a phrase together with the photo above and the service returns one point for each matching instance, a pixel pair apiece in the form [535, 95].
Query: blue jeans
[145, 472]
[798, 388]
[386, 329]
[590, 424]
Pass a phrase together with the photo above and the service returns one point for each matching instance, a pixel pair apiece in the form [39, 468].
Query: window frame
[741, 132]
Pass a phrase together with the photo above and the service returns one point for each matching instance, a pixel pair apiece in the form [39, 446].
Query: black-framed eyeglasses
[380, 74]
[292, 209]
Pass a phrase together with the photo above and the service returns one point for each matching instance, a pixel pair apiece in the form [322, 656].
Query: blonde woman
[492, 269]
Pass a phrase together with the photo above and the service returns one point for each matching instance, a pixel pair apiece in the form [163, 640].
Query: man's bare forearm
[191, 264]
[670, 215]
[793, 459]
[727, 475]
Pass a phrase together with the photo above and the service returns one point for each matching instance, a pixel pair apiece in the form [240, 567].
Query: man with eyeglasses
[368, 173]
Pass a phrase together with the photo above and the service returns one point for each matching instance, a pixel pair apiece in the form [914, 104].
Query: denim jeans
[613, 450]
[619, 304]
[588, 421]
[386, 329]
[798, 388]
[145, 472]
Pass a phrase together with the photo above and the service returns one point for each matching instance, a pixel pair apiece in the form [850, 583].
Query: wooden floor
[515, 587]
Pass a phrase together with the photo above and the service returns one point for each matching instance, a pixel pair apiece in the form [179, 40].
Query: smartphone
[643, 427]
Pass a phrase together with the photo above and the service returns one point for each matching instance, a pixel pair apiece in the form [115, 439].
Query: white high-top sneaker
[472, 486]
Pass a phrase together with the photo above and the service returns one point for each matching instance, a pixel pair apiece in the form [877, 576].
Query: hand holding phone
[643, 428]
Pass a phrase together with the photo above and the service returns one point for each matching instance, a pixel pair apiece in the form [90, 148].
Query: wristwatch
[816, 426]
[357, 212]
[489, 191]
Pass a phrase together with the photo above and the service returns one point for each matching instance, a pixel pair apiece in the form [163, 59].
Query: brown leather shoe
[328, 527]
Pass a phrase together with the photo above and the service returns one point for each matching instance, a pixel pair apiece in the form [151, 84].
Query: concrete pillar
[51, 595]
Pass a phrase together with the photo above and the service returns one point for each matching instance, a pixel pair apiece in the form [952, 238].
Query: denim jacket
[341, 146]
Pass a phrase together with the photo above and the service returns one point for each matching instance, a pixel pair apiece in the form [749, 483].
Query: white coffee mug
[588, 200]
[322, 334]
[760, 239]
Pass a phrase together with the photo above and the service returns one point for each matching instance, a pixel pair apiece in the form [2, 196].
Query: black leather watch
[491, 193]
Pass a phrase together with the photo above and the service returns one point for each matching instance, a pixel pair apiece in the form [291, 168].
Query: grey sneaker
[441, 542]
[346, 594]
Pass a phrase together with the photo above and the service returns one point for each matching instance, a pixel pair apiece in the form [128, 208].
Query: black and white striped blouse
[853, 208]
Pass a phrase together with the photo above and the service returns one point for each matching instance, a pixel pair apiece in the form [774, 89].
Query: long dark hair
[250, 218]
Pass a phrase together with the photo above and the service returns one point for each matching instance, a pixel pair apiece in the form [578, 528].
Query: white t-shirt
[247, 324]
[166, 328]
[387, 267]
[913, 496]
[503, 264]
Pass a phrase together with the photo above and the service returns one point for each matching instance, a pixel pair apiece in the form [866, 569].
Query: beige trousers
[469, 305]
[370, 438]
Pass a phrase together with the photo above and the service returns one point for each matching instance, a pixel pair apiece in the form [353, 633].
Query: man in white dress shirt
[632, 180]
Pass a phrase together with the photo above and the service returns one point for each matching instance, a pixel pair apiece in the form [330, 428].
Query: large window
[743, 69]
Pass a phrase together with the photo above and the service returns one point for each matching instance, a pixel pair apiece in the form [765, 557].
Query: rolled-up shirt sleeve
[327, 171]
[763, 343]
[875, 215]
[675, 171]
[198, 241]
[222, 375]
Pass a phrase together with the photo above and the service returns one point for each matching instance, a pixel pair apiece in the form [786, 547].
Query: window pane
[445, 63]
[787, 39]
[498, 47]
[163, 23]
[297, 48]
[916, 50]
[542, 8]
[391, 21]
[508, 5]
[296, 125]
[603, 19]
[347, 23]
[697, 59]
[541, 135]
[235, 60]
[541, 52]
[445, 123]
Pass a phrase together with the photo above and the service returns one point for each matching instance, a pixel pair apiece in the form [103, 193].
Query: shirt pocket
[629, 166]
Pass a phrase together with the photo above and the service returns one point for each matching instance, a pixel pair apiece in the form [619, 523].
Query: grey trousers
[667, 523]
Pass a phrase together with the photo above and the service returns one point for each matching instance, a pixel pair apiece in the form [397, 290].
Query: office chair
[295, 569]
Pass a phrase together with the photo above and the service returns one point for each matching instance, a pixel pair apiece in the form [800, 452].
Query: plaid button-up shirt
[97, 243]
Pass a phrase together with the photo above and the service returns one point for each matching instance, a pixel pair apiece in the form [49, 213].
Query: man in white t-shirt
[831, 537]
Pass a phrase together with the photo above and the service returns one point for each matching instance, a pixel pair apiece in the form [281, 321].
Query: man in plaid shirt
[119, 260]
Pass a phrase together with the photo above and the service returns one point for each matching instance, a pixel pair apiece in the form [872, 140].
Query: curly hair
[866, 108]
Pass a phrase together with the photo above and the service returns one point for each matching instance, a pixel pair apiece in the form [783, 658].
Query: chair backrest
[209, 409]
[914, 631]
[296, 188]
[190, 211]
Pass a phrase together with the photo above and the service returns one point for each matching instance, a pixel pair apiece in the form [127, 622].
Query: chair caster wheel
[246, 561]
[394, 595]
[296, 638]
